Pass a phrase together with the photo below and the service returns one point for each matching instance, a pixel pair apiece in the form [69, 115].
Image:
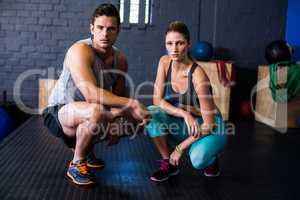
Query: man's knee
[97, 113]
[88, 129]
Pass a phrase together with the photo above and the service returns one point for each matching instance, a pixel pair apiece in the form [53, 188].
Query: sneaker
[212, 170]
[166, 170]
[79, 174]
[94, 162]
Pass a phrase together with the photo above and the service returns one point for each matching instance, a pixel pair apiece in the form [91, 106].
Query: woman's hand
[192, 125]
[175, 157]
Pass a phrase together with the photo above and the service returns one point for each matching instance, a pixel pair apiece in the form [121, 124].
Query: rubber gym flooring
[258, 163]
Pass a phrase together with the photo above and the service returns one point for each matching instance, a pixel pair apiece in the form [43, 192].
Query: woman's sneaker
[79, 174]
[212, 170]
[166, 170]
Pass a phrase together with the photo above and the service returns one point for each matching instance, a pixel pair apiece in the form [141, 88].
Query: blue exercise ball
[5, 123]
[298, 121]
[202, 51]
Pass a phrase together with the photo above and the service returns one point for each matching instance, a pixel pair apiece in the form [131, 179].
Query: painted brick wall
[35, 34]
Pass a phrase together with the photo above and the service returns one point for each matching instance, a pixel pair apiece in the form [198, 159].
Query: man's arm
[80, 58]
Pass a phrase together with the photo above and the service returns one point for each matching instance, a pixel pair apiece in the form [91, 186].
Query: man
[87, 95]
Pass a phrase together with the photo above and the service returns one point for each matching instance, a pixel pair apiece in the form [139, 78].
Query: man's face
[105, 31]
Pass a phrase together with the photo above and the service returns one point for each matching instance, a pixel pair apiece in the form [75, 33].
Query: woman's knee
[199, 159]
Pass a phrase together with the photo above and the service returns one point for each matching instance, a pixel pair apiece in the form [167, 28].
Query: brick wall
[35, 34]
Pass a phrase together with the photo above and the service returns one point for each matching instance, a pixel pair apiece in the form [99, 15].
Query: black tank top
[189, 97]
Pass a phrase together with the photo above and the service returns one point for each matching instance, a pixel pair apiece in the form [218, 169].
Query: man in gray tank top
[88, 95]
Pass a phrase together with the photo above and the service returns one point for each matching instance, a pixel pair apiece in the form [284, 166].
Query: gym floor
[258, 163]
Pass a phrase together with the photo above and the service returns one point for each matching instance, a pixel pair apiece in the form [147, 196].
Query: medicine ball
[278, 51]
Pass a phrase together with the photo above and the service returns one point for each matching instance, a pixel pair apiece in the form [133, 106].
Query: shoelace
[163, 165]
[83, 168]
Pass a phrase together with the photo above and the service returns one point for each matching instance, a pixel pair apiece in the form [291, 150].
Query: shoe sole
[212, 175]
[162, 180]
[70, 177]
[95, 166]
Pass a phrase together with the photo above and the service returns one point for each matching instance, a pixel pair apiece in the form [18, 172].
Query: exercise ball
[5, 123]
[245, 109]
[298, 121]
[202, 51]
[278, 51]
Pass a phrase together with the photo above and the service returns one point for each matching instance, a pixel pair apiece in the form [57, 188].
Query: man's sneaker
[79, 174]
[166, 170]
[94, 162]
[212, 170]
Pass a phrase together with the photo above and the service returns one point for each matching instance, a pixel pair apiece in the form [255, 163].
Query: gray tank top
[65, 90]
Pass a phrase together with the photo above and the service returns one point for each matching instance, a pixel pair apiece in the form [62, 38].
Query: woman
[184, 110]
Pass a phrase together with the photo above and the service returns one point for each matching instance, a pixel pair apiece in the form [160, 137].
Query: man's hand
[139, 112]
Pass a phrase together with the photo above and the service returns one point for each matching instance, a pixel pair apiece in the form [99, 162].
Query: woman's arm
[207, 106]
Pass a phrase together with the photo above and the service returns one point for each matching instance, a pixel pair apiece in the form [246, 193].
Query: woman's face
[177, 46]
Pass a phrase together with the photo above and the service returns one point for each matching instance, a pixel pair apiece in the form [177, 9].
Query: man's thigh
[75, 113]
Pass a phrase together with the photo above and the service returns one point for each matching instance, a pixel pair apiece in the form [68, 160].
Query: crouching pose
[88, 95]
[184, 110]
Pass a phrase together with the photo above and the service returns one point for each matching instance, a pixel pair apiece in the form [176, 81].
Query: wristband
[178, 149]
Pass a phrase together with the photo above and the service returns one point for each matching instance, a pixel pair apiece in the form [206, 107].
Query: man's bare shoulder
[79, 55]
[80, 51]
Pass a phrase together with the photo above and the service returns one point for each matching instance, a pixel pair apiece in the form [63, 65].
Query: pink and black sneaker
[212, 170]
[166, 170]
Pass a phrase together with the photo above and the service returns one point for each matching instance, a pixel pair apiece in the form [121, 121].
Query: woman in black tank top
[182, 98]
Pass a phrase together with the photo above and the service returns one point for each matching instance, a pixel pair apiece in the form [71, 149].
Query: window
[135, 11]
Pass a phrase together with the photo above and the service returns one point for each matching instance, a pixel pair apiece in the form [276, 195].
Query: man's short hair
[106, 9]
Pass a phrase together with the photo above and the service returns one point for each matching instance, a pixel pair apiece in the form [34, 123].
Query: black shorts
[50, 118]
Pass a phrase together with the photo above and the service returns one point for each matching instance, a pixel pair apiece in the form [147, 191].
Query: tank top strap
[190, 77]
[194, 66]
[169, 72]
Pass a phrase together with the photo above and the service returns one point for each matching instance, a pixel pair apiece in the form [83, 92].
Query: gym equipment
[278, 51]
[275, 114]
[245, 109]
[5, 123]
[292, 85]
[225, 79]
[298, 121]
[202, 51]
